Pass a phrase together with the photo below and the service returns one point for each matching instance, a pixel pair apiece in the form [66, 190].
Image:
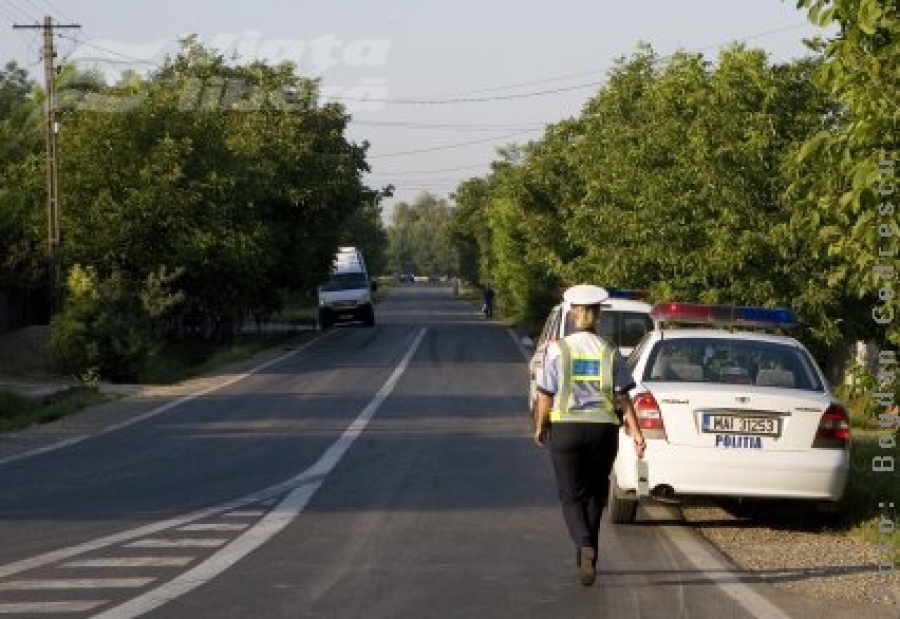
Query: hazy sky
[535, 62]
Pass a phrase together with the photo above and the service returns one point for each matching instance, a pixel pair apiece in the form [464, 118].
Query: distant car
[406, 278]
[728, 411]
[624, 320]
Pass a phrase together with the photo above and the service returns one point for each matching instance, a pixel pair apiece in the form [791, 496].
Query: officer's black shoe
[587, 559]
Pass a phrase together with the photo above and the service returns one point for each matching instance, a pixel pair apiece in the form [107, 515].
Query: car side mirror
[527, 343]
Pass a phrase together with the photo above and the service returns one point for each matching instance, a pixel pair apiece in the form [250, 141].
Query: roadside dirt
[789, 551]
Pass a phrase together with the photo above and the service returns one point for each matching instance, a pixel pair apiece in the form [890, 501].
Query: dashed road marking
[75, 583]
[213, 526]
[245, 513]
[131, 562]
[178, 543]
[47, 608]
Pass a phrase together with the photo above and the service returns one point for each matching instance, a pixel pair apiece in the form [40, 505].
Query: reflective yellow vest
[586, 373]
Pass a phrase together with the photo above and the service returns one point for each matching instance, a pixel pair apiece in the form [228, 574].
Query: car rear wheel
[622, 505]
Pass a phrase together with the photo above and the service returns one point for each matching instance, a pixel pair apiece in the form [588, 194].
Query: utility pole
[49, 55]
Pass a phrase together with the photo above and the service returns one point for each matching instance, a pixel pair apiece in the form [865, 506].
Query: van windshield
[346, 281]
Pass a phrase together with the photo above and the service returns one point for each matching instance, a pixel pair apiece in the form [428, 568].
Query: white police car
[624, 321]
[730, 411]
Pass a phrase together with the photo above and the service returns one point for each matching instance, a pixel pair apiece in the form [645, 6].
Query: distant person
[584, 381]
[488, 307]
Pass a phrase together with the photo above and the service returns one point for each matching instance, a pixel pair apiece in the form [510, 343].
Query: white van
[347, 295]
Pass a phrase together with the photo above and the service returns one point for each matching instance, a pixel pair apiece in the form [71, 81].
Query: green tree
[420, 237]
[845, 176]
[233, 176]
[23, 219]
[672, 179]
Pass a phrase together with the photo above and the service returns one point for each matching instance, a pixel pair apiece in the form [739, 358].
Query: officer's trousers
[583, 455]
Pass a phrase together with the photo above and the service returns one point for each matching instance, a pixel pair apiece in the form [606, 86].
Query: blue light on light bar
[624, 293]
[759, 315]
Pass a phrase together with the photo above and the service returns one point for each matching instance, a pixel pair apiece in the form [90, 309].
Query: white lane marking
[214, 526]
[518, 342]
[245, 513]
[719, 573]
[46, 608]
[125, 536]
[159, 409]
[75, 583]
[304, 487]
[131, 562]
[230, 507]
[178, 543]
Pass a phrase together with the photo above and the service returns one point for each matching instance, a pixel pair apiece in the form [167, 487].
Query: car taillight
[648, 415]
[834, 428]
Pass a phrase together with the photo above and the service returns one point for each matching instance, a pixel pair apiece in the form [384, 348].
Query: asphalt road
[374, 472]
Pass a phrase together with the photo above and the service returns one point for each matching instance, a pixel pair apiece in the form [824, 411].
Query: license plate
[741, 424]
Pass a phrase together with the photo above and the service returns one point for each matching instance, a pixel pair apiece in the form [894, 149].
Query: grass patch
[299, 311]
[177, 361]
[866, 489]
[18, 411]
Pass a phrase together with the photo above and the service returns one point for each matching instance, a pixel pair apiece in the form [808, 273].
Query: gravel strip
[785, 551]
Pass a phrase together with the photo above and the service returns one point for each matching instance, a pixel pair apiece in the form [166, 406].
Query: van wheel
[622, 505]
[369, 317]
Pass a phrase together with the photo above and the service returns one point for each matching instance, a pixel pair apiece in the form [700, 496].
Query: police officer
[584, 381]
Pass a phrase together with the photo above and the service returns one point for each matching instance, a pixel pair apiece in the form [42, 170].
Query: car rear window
[732, 361]
[619, 327]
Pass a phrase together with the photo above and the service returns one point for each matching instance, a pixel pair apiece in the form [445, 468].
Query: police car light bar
[624, 293]
[731, 315]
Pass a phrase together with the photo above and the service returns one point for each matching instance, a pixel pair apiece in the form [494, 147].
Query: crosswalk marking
[244, 513]
[178, 543]
[216, 526]
[86, 583]
[45, 608]
[131, 562]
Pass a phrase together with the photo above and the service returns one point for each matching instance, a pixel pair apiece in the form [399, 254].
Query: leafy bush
[103, 329]
[858, 394]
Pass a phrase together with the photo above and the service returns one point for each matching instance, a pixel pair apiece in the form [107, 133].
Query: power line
[512, 96]
[125, 57]
[456, 100]
[449, 126]
[17, 12]
[567, 76]
[39, 10]
[457, 169]
[57, 11]
[451, 146]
